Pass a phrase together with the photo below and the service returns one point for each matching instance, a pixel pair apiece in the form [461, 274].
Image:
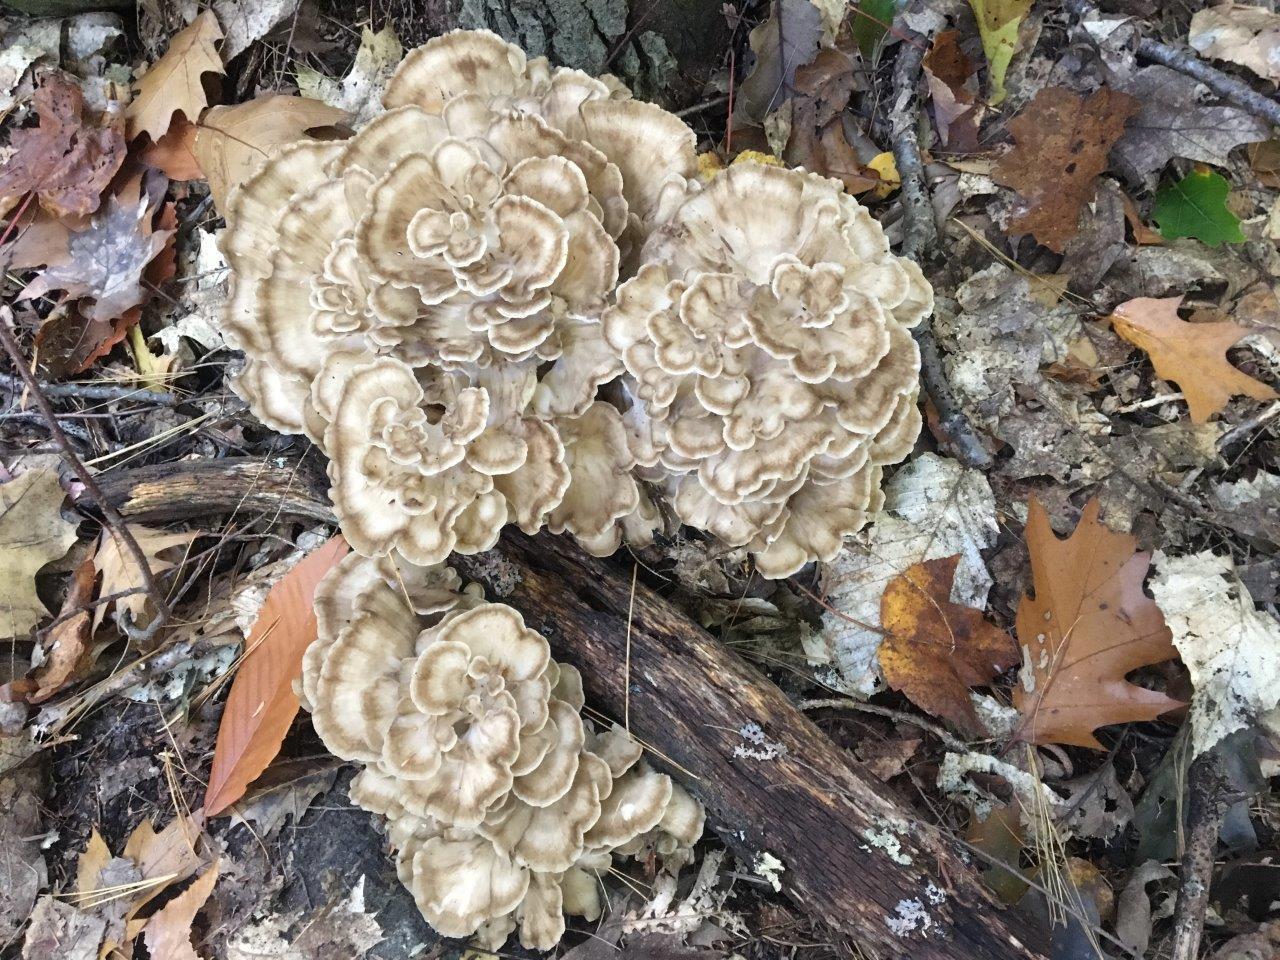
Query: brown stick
[1206, 806]
[115, 523]
[849, 855]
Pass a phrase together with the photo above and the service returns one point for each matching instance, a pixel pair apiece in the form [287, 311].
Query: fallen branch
[1206, 805]
[850, 855]
[920, 238]
[94, 391]
[111, 517]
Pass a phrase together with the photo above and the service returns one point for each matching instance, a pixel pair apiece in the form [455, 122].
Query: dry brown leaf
[1061, 144]
[262, 702]
[32, 533]
[1193, 355]
[120, 571]
[956, 109]
[1087, 626]
[168, 933]
[173, 153]
[233, 141]
[69, 159]
[1000, 835]
[65, 646]
[96, 855]
[174, 84]
[935, 650]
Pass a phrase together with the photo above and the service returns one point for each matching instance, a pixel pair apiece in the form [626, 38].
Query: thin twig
[98, 392]
[1246, 427]
[950, 741]
[1227, 87]
[119, 529]
[1206, 806]
[920, 237]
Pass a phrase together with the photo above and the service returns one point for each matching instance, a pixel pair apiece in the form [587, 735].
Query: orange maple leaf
[1193, 355]
[1087, 626]
[935, 650]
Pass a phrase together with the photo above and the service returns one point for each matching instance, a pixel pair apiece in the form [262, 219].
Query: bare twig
[920, 236]
[1206, 806]
[1247, 426]
[848, 703]
[119, 529]
[1227, 87]
[96, 392]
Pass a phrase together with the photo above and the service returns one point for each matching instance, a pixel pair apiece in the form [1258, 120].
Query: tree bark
[847, 854]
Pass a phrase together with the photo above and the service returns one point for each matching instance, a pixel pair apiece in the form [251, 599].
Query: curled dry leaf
[168, 933]
[262, 702]
[32, 532]
[69, 158]
[1193, 355]
[175, 83]
[65, 646]
[1061, 144]
[935, 650]
[1087, 626]
[232, 141]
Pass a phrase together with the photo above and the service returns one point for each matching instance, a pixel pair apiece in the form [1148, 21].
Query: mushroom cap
[460, 884]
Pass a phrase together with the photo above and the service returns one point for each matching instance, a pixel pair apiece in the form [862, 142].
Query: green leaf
[1196, 207]
[998, 23]
[871, 22]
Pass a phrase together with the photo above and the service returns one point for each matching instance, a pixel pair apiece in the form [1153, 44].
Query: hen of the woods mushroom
[510, 298]
[435, 302]
[504, 805]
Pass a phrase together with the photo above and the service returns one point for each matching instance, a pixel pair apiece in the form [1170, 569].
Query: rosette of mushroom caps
[771, 372]
[504, 805]
[423, 299]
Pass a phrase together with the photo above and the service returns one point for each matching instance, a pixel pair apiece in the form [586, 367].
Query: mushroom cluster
[770, 371]
[423, 299]
[508, 298]
[504, 805]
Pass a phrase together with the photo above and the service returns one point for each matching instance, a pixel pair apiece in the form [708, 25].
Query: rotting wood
[850, 855]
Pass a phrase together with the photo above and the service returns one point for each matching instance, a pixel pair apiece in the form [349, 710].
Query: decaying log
[795, 806]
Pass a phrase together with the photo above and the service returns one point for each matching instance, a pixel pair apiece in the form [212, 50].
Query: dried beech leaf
[69, 159]
[262, 702]
[1061, 145]
[168, 932]
[1193, 355]
[935, 650]
[32, 532]
[233, 141]
[174, 83]
[1087, 626]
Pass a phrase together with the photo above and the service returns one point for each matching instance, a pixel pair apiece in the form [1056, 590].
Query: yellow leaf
[32, 532]
[998, 23]
[233, 141]
[886, 169]
[174, 83]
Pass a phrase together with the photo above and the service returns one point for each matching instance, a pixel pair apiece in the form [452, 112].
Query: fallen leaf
[1193, 355]
[956, 112]
[934, 507]
[1086, 627]
[106, 261]
[870, 23]
[65, 646]
[1231, 650]
[886, 168]
[1133, 907]
[175, 84]
[22, 834]
[247, 21]
[262, 702]
[32, 533]
[173, 154]
[998, 23]
[120, 571]
[1172, 122]
[788, 40]
[69, 158]
[170, 854]
[233, 141]
[93, 859]
[1264, 158]
[1196, 207]
[1000, 836]
[935, 650]
[1061, 144]
[58, 931]
[1238, 33]
[359, 93]
[168, 932]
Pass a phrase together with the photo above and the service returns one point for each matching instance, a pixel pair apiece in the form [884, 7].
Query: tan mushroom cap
[636, 804]
[278, 401]
[601, 489]
[460, 884]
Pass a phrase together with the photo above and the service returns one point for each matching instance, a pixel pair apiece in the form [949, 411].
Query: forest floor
[1095, 198]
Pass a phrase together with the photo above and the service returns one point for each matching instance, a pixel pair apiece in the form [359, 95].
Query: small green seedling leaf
[1196, 207]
